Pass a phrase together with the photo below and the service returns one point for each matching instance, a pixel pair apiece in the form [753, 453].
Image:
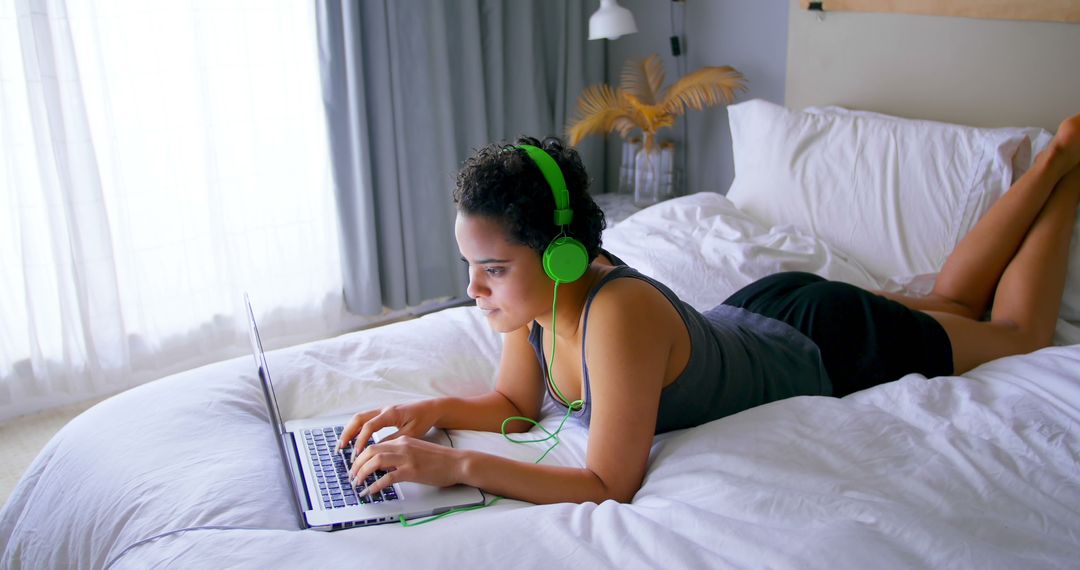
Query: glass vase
[630, 149]
[647, 177]
[668, 182]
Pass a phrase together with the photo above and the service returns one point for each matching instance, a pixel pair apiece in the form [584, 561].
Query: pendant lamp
[611, 21]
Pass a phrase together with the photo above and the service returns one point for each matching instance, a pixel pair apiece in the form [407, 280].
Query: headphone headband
[554, 176]
[565, 259]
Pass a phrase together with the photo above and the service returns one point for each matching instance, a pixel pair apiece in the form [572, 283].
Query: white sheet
[975, 471]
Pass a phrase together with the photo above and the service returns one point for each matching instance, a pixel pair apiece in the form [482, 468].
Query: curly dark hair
[502, 183]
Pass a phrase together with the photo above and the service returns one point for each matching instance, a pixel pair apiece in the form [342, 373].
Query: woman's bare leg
[1017, 256]
[1028, 295]
[971, 274]
[968, 280]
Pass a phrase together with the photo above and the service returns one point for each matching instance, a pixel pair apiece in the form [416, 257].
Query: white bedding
[976, 471]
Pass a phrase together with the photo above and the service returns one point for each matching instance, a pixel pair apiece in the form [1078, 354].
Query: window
[159, 158]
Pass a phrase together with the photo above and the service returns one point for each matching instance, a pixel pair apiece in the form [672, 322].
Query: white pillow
[895, 194]
[1038, 138]
[773, 174]
[1068, 332]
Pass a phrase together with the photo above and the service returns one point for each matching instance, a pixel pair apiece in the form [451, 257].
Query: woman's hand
[408, 459]
[413, 419]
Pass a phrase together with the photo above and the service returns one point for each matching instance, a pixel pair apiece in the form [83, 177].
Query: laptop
[319, 477]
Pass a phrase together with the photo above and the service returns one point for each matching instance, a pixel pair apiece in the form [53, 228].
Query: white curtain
[157, 159]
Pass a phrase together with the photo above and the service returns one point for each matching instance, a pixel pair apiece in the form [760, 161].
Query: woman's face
[506, 279]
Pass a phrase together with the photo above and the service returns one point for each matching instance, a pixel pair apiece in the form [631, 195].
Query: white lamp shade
[611, 21]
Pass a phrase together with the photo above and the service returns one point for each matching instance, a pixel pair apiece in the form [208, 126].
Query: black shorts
[864, 339]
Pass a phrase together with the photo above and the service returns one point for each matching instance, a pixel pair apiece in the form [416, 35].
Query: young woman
[631, 360]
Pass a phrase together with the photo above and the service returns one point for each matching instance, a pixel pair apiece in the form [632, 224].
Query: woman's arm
[627, 355]
[632, 330]
[519, 391]
[540, 484]
[418, 460]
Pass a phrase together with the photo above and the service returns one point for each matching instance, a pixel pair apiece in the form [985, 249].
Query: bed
[978, 470]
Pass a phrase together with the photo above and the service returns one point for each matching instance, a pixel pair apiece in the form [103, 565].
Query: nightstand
[616, 207]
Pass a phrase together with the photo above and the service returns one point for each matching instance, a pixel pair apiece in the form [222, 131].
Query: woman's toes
[1065, 146]
[1068, 134]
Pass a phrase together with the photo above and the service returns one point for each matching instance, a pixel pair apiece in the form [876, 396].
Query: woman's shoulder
[621, 284]
[626, 299]
[626, 284]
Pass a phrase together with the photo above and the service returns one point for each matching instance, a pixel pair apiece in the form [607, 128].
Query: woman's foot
[1067, 142]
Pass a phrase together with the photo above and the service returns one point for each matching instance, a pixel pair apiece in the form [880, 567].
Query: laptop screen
[264, 371]
[272, 407]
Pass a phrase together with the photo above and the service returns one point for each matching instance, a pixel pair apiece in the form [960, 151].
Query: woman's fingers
[370, 427]
[381, 483]
[405, 428]
[360, 463]
[409, 419]
[407, 459]
[353, 427]
[385, 417]
[376, 458]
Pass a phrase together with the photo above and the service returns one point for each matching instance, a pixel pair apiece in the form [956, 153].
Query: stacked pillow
[895, 194]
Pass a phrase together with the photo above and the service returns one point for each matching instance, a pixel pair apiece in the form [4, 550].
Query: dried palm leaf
[644, 79]
[641, 102]
[600, 110]
[650, 118]
[702, 88]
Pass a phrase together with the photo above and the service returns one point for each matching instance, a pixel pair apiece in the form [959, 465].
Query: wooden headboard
[1037, 10]
[987, 73]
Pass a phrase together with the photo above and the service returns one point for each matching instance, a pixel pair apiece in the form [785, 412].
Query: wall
[989, 73]
[749, 36]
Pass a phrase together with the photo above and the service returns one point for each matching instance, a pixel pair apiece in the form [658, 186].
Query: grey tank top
[738, 360]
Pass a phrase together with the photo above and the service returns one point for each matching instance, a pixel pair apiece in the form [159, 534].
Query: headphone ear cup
[565, 259]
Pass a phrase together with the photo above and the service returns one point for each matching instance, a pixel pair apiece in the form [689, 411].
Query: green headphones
[565, 258]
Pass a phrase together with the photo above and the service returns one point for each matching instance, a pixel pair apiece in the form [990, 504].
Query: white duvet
[975, 471]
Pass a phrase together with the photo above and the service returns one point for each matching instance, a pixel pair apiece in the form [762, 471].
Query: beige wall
[978, 72]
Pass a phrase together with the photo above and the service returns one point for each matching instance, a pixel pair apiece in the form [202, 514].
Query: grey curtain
[411, 88]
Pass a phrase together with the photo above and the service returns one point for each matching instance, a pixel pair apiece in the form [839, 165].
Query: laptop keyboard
[333, 474]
